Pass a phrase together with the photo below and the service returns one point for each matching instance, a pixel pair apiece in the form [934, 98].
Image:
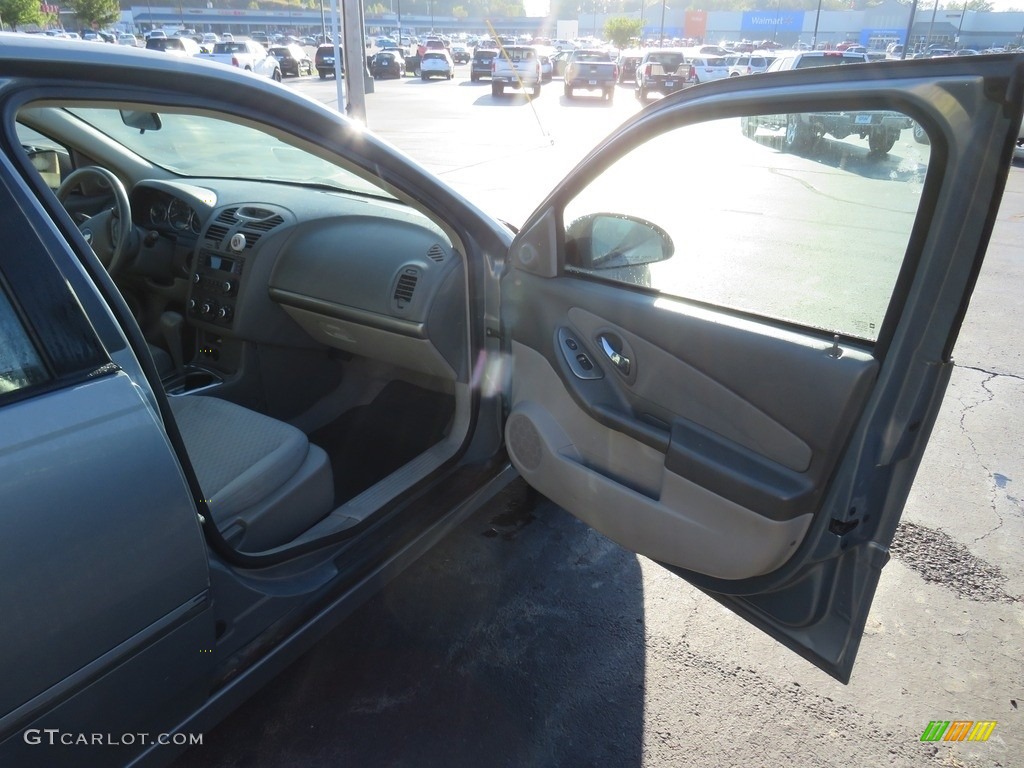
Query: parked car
[387, 64]
[546, 67]
[293, 59]
[706, 69]
[323, 60]
[246, 55]
[460, 55]
[628, 61]
[256, 361]
[809, 59]
[661, 70]
[260, 37]
[559, 62]
[436, 63]
[516, 66]
[749, 64]
[480, 66]
[126, 38]
[591, 69]
[209, 38]
[176, 46]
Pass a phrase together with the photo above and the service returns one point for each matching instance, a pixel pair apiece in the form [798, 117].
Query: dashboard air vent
[266, 225]
[216, 233]
[436, 253]
[405, 287]
[227, 216]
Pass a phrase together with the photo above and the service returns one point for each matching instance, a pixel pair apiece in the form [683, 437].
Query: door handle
[620, 361]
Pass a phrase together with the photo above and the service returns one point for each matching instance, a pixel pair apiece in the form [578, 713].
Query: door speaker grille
[524, 441]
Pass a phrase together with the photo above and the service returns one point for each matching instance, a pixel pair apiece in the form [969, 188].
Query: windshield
[202, 146]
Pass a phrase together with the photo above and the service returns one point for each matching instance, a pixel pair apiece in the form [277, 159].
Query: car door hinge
[492, 333]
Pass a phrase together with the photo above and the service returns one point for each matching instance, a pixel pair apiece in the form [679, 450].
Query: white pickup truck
[515, 66]
[248, 55]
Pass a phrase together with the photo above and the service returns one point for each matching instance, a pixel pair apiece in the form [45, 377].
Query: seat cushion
[240, 456]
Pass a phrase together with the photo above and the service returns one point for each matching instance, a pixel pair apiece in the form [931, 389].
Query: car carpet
[369, 442]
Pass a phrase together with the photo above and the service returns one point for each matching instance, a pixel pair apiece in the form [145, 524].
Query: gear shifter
[171, 326]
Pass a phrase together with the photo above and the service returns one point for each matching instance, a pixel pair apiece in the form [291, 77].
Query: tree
[100, 12]
[618, 30]
[972, 5]
[18, 13]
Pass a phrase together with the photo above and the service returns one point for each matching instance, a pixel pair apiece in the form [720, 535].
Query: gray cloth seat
[264, 482]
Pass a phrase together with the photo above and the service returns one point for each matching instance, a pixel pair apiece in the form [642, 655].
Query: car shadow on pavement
[517, 641]
[507, 99]
[586, 101]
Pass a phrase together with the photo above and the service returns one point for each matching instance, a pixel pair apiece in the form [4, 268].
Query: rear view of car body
[323, 60]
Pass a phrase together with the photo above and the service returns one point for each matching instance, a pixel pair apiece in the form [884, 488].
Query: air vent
[216, 233]
[266, 224]
[436, 253]
[404, 288]
[250, 238]
[227, 216]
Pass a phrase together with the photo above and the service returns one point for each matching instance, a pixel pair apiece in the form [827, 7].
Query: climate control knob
[227, 287]
[206, 309]
[224, 313]
[196, 277]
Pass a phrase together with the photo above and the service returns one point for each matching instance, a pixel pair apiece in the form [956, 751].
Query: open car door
[732, 326]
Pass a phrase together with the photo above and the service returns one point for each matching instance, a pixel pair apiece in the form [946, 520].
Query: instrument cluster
[171, 214]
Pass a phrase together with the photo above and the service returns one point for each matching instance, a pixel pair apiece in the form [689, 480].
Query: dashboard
[285, 265]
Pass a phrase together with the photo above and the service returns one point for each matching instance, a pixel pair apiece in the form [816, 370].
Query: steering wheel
[109, 232]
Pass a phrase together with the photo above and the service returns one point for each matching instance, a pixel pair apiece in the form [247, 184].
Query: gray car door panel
[89, 475]
[764, 452]
[104, 564]
[761, 441]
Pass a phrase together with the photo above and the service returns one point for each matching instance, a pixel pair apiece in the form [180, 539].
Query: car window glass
[203, 145]
[20, 363]
[817, 238]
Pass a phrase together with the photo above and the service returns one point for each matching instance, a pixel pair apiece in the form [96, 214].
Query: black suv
[481, 66]
[323, 60]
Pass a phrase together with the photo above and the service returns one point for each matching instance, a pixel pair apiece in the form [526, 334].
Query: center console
[215, 285]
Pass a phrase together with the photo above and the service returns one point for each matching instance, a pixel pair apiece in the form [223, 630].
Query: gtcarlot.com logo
[56, 737]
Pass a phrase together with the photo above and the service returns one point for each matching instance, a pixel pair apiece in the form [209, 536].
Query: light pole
[960, 26]
[932, 24]
[400, 25]
[910, 27]
[817, 17]
[661, 33]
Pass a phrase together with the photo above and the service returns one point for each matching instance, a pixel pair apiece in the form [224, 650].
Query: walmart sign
[772, 21]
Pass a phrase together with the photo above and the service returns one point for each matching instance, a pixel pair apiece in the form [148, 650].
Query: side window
[20, 363]
[803, 218]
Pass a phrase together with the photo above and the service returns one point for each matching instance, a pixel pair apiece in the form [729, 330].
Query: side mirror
[603, 241]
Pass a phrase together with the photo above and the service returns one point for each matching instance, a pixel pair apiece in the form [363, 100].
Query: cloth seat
[264, 482]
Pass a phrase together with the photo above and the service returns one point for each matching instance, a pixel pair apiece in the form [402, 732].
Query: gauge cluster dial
[169, 214]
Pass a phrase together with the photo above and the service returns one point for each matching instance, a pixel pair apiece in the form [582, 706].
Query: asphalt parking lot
[527, 639]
